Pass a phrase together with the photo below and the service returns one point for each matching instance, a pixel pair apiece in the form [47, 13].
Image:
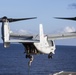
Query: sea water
[13, 61]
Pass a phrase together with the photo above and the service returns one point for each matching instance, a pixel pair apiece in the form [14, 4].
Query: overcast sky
[45, 11]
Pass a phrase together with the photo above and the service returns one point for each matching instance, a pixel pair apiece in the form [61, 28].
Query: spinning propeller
[70, 18]
[3, 19]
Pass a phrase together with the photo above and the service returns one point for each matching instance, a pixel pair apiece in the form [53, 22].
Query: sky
[45, 11]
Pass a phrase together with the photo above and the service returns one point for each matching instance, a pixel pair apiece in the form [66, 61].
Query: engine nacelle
[6, 44]
[5, 33]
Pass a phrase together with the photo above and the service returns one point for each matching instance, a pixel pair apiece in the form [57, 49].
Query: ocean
[13, 61]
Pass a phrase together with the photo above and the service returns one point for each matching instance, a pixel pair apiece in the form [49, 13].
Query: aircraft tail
[5, 34]
[41, 34]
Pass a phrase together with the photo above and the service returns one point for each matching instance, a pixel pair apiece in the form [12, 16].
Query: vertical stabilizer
[41, 33]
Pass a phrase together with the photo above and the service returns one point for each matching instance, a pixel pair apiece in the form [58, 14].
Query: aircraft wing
[62, 36]
[23, 41]
[20, 36]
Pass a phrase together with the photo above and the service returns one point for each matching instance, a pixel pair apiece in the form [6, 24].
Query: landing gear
[31, 59]
[50, 55]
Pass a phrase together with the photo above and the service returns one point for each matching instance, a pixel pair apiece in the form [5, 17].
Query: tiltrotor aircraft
[38, 44]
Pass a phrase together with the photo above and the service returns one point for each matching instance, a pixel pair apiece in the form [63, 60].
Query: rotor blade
[13, 20]
[70, 18]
